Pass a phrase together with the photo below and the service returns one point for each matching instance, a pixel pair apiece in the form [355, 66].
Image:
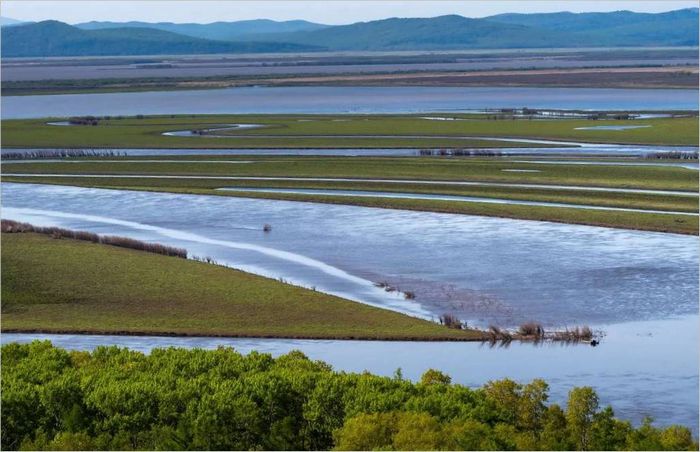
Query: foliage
[175, 399]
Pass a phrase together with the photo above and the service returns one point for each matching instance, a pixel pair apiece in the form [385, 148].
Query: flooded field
[387, 194]
[491, 270]
[343, 100]
[333, 179]
[580, 149]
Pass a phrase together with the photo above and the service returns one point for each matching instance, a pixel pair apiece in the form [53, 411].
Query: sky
[328, 12]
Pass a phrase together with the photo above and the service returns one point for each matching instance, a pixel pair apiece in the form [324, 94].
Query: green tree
[608, 433]
[468, 435]
[435, 377]
[676, 437]
[417, 431]
[554, 434]
[532, 405]
[504, 395]
[580, 412]
[373, 431]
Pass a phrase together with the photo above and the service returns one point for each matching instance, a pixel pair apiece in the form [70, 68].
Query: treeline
[10, 226]
[175, 399]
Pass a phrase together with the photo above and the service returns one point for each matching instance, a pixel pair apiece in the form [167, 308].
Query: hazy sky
[329, 12]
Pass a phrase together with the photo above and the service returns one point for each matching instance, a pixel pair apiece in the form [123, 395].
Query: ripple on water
[501, 271]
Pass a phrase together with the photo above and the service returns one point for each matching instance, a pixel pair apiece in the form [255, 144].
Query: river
[640, 288]
[344, 100]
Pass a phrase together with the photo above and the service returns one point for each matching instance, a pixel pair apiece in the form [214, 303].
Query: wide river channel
[344, 100]
[640, 288]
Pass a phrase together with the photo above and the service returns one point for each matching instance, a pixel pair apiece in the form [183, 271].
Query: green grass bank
[338, 131]
[69, 286]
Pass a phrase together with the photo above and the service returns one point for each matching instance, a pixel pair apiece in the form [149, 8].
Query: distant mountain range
[7, 21]
[220, 31]
[52, 38]
[620, 28]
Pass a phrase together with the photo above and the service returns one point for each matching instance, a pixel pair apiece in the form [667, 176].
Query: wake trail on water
[409, 309]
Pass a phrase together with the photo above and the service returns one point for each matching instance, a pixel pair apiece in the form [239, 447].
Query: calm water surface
[344, 100]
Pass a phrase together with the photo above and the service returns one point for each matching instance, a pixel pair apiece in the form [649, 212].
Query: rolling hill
[221, 31]
[53, 38]
[444, 32]
[10, 22]
[452, 32]
[620, 28]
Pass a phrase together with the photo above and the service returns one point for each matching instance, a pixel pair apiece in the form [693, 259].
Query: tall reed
[10, 226]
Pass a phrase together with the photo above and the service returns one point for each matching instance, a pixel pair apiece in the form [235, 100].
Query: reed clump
[673, 155]
[531, 329]
[59, 153]
[84, 121]
[10, 226]
[576, 334]
[495, 333]
[451, 321]
[461, 152]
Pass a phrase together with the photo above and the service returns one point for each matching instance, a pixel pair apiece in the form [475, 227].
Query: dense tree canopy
[114, 398]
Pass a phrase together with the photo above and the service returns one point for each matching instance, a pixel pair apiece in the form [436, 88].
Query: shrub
[451, 321]
[531, 329]
[10, 226]
[58, 153]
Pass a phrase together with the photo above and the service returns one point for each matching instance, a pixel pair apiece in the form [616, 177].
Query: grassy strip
[679, 224]
[420, 168]
[624, 220]
[666, 202]
[335, 131]
[608, 77]
[69, 286]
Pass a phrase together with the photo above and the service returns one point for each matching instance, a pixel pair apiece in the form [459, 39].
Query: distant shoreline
[635, 77]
